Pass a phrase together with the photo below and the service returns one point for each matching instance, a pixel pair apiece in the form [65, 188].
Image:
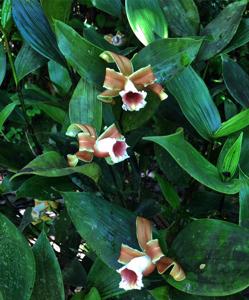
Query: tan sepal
[159, 90]
[144, 232]
[176, 272]
[114, 81]
[153, 250]
[85, 156]
[72, 160]
[86, 142]
[74, 129]
[111, 132]
[143, 77]
[127, 254]
[107, 96]
[123, 63]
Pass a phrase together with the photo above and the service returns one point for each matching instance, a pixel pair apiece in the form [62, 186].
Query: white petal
[137, 265]
[105, 145]
[130, 87]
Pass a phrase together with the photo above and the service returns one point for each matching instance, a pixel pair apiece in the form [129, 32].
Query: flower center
[119, 148]
[132, 98]
[129, 276]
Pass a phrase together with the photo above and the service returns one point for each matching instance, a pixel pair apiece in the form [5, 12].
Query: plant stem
[30, 131]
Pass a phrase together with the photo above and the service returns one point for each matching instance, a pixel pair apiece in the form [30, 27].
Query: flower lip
[119, 148]
[133, 100]
[132, 273]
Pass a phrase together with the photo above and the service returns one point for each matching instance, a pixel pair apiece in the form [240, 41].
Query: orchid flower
[142, 263]
[110, 144]
[128, 84]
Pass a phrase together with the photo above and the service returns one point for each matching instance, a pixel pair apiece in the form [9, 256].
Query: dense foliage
[116, 116]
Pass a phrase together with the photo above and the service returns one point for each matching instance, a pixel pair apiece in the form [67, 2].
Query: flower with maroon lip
[128, 84]
[142, 263]
[110, 144]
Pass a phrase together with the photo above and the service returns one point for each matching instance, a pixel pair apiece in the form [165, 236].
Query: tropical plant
[124, 149]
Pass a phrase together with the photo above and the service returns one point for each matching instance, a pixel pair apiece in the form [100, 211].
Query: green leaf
[27, 61]
[5, 113]
[57, 9]
[17, 263]
[236, 123]
[134, 120]
[147, 20]
[168, 56]
[182, 16]
[54, 112]
[228, 159]
[236, 80]
[80, 54]
[241, 37]
[244, 200]
[212, 253]
[194, 163]
[113, 7]
[6, 14]
[50, 187]
[35, 29]
[48, 281]
[59, 76]
[195, 101]
[160, 293]
[93, 295]
[84, 107]
[220, 31]
[168, 192]
[2, 63]
[51, 164]
[103, 225]
[105, 279]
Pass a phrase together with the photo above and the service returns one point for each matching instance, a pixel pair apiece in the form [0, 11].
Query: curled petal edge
[176, 272]
[123, 63]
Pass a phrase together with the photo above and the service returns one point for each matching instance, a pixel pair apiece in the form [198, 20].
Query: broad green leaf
[213, 254]
[82, 55]
[93, 295]
[168, 192]
[229, 157]
[134, 120]
[113, 7]
[236, 123]
[220, 31]
[84, 107]
[54, 112]
[194, 163]
[182, 16]
[241, 37]
[103, 225]
[168, 56]
[236, 80]
[27, 61]
[160, 293]
[4, 114]
[17, 263]
[48, 281]
[147, 20]
[74, 273]
[51, 164]
[105, 279]
[50, 187]
[35, 29]
[2, 63]
[57, 9]
[59, 76]
[195, 101]
[244, 200]
[6, 14]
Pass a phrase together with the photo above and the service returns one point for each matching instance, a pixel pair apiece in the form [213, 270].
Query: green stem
[30, 131]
